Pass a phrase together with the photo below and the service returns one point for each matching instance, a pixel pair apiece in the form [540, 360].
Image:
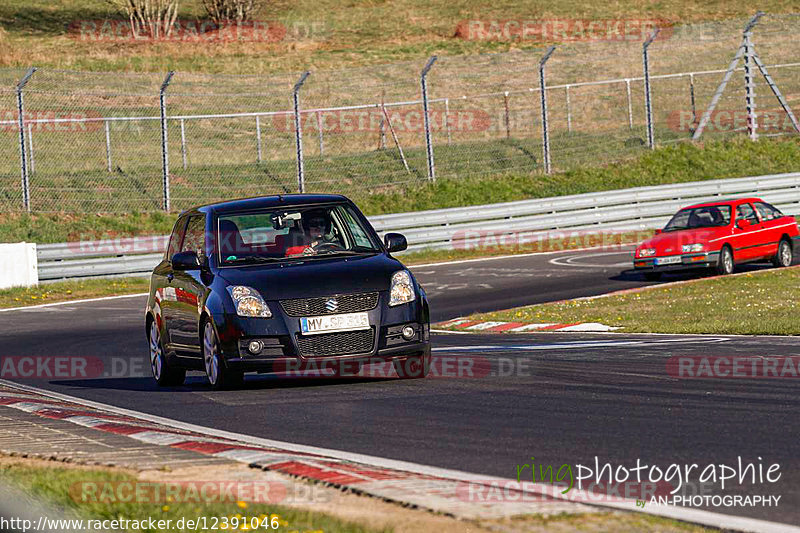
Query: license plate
[668, 260]
[333, 323]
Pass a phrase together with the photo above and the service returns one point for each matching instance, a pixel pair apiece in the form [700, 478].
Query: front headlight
[647, 252]
[696, 247]
[402, 290]
[248, 302]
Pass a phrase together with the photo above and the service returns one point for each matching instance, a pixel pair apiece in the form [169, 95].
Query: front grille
[348, 342]
[344, 303]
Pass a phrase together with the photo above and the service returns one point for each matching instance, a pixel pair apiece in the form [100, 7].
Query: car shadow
[196, 382]
[634, 275]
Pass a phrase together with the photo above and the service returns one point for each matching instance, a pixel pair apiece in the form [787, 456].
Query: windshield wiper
[254, 258]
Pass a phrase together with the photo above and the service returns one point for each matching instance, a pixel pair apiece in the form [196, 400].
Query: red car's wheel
[725, 263]
[784, 256]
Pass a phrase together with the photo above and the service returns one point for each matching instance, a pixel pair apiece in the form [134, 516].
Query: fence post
[447, 118]
[31, 157]
[569, 110]
[108, 144]
[319, 132]
[164, 149]
[630, 103]
[26, 191]
[298, 132]
[428, 143]
[750, 87]
[545, 127]
[183, 142]
[648, 104]
[691, 97]
[258, 139]
[507, 117]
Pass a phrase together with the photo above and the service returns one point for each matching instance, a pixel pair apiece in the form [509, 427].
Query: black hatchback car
[283, 284]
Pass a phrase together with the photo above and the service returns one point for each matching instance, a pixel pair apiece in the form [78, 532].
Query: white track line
[695, 516]
[459, 261]
[70, 302]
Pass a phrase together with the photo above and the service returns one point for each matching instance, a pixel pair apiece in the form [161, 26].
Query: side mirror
[742, 223]
[395, 242]
[659, 231]
[185, 261]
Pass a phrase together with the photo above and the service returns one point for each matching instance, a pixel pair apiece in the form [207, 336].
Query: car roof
[266, 202]
[731, 202]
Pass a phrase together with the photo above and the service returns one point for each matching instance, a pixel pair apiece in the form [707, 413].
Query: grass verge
[680, 163]
[63, 291]
[56, 485]
[755, 303]
[61, 487]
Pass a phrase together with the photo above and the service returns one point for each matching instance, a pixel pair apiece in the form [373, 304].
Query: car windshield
[295, 233]
[700, 217]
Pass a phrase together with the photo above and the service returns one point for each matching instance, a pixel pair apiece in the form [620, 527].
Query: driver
[316, 224]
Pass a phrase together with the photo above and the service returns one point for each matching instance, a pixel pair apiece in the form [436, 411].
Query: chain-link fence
[101, 142]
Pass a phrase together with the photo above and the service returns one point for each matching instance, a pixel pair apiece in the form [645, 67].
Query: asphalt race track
[559, 397]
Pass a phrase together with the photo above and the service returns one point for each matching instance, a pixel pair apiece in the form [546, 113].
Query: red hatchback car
[719, 235]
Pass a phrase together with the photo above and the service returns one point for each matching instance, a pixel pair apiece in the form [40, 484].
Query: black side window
[746, 211]
[195, 239]
[767, 211]
[176, 238]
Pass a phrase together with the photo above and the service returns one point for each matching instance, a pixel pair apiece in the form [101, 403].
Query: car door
[189, 291]
[747, 242]
[772, 227]
[163, 277]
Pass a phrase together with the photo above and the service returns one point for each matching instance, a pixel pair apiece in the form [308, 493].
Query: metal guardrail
[615, 211]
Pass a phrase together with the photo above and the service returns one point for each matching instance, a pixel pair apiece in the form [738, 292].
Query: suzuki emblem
[331, 304]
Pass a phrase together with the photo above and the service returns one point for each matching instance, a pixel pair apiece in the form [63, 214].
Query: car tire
[164, 374]
[784, 256]
[220, 377]
[725, 264]
[652, 276]
[412, 367]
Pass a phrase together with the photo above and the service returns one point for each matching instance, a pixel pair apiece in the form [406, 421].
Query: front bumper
[687, 262]
[286, 349]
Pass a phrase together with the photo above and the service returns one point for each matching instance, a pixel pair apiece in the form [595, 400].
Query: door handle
[170, 277]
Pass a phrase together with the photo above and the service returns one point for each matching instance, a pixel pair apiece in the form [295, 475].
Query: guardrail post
[545, 127]
[648, 103]
[298, 132]
[164, 149]
[428, 142]
[26, 190]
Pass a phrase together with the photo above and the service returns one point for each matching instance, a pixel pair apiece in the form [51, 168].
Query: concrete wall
[18, 265]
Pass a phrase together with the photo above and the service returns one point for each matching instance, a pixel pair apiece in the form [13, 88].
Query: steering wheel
[326, 247]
